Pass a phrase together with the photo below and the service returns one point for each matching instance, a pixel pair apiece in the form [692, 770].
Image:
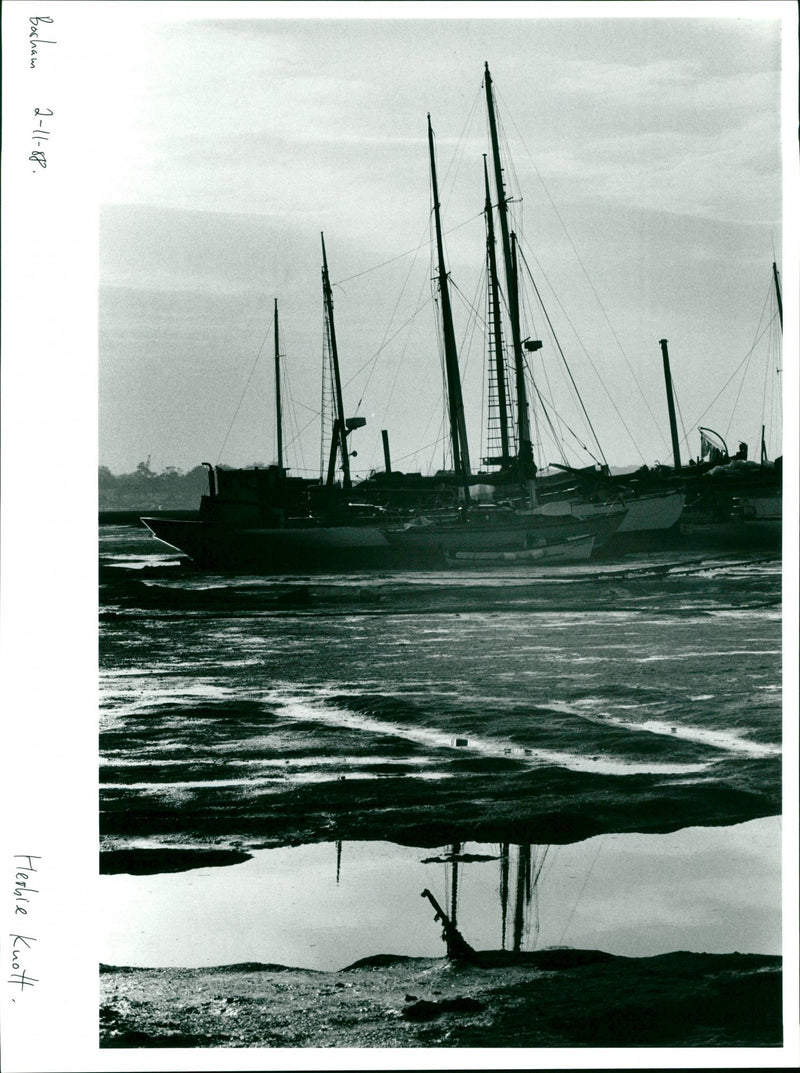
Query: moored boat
[572, 549]
[262, 519]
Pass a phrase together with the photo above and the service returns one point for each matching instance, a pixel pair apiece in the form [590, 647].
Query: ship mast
[777, 279]
[673, 424]
[278, 410]
[458, 431]
[497, 331]
[339, 428]
[525, 462]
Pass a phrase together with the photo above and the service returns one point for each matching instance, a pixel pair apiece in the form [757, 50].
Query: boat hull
[434, 544]
[752, 521]
[220, 546]
[645, 513]
[230, 547]
[574, 549]
[758, 534]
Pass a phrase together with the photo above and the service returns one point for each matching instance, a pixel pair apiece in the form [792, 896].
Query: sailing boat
[265, 520]
[586, 492]
[483, 531]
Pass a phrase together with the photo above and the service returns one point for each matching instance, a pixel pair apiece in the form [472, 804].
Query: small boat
[573, 549]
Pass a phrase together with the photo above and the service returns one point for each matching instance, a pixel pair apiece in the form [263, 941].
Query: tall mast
[494, 297]
[458, 431]
[340, 429]
[278, 410]
[525, 449]
[778, 292]
[673, 425]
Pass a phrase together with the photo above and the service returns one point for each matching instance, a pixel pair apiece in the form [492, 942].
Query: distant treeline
[145, 489]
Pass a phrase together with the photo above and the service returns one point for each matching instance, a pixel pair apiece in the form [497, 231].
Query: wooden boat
[573, 549]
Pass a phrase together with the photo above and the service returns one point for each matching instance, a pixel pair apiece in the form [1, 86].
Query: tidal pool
[326, 905]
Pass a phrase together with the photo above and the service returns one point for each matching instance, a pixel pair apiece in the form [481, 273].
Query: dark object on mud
[423, 1010]
[148, 862]
[458, 949]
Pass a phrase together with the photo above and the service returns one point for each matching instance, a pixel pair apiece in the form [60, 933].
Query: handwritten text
[34, 38]
[22, 945]
[39, 136]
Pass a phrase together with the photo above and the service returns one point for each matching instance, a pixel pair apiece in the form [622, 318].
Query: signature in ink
[21, 944]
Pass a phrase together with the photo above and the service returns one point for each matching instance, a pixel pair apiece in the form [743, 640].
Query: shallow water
[529, 704]
[324, 906]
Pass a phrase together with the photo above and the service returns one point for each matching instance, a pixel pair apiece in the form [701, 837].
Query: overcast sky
[645, 152]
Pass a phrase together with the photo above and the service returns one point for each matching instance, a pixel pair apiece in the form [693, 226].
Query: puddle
[324, 906]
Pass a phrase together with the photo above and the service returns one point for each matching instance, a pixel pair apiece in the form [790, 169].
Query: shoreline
[549, 998]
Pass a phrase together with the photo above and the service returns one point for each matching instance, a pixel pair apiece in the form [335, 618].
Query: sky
[644, 161]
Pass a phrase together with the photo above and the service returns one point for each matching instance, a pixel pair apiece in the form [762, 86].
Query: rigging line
[557, 439]
[406, 253]
[471, 328]
[300, 432]
[738, 396]
[469, 305]
[764, 391]
[676, 400]
[736, 370]
[385, 341]
[546, 408]
[457, 157]
[433, 443]
[594, 367]
[541, 866]
[587, 277]
[583, 888]
[383, 346]
[294, 431]
[571, 431]
[247, 384]
[563, 358]
[471, 325]
[400, 364]
[310, 409]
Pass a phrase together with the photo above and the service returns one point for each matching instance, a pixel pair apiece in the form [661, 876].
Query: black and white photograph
[399, 535]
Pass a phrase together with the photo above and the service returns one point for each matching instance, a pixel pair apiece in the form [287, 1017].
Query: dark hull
[766, 535]
[434, 544]
[220, 546]
[229, 547]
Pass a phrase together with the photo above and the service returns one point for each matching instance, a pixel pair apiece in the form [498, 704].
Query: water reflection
[520, 869]
[327, 905]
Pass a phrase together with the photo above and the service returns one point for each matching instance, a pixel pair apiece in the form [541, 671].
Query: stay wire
[564, 359]
[247, 384]
[593, 290]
